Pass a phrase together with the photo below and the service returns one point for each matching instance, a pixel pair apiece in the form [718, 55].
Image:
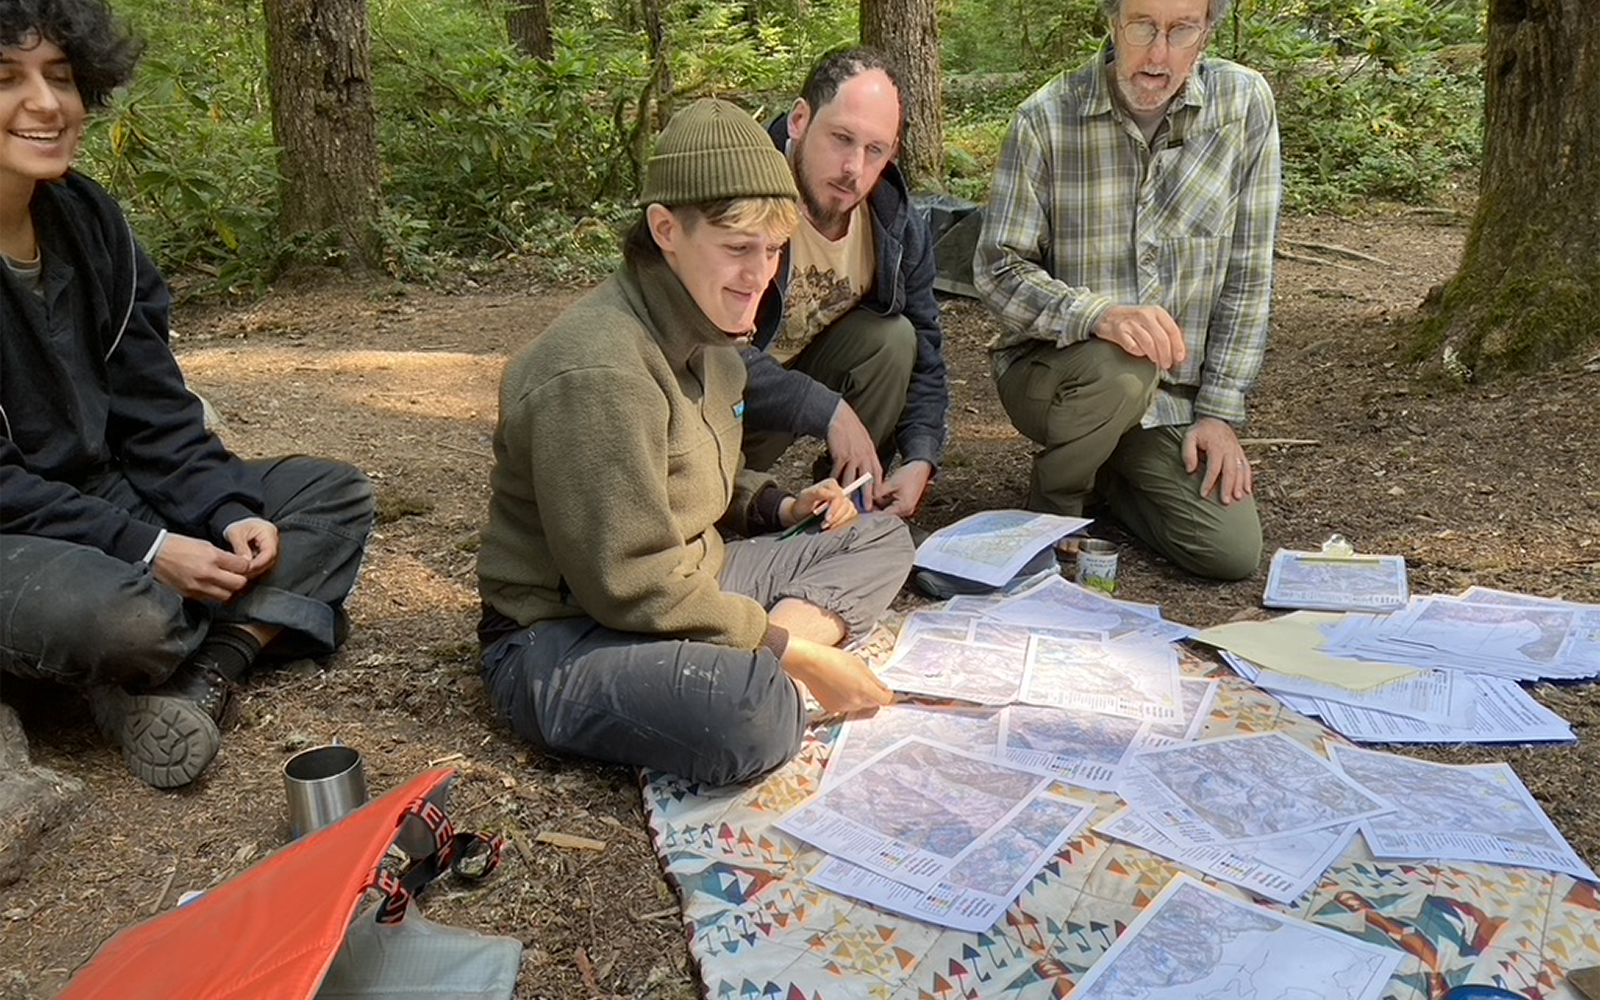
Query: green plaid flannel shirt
[1083, 215]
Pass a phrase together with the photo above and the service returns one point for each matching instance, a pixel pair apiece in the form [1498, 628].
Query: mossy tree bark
[325, 122]
[1528, 290]
[908, 32]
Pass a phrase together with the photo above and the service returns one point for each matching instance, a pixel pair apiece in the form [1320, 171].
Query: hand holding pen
[828, 504]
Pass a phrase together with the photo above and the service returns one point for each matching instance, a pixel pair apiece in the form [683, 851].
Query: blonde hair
[774, 216]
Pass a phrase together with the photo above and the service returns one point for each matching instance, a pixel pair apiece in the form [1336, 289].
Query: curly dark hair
[100, 48]
[839, 66]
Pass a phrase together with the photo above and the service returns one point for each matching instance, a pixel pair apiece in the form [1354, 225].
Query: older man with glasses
[1127, 250]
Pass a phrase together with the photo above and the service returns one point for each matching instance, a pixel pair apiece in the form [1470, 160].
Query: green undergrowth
[490, 156]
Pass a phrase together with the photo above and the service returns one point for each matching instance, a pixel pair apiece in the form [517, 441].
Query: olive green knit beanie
[711, 151]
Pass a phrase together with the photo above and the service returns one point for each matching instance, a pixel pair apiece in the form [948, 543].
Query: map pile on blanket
[761, 926]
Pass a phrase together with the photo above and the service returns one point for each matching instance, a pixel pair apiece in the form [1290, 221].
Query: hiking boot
[199, 682]
[168, 733]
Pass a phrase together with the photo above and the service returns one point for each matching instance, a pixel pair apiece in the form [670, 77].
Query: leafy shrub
[481, 141]
[1376, 98]
[188, 148]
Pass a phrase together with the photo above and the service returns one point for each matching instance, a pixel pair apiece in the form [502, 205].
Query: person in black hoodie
[848, 343]
[140, 560]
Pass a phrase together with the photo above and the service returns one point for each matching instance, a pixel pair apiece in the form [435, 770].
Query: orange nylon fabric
[270, 932]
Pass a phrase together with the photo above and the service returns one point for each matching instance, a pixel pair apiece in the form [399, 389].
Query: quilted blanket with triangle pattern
[758, 931]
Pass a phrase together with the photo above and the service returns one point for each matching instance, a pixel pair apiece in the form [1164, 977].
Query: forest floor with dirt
[1496, 485]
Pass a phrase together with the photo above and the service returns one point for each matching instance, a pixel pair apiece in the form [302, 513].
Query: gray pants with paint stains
[74, 615]
[705, 712]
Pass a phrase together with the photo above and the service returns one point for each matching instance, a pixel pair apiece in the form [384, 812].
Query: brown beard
[820, 215]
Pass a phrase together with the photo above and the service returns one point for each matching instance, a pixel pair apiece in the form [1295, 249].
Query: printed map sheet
[974, 730]
[1198, 695]
[934, 625]
[1242, 788]
[914, 810]
[976, 892]
[1134, 679]
[1457, 812]
[1331, 583]
[949, 668]
[998, 633]
[1084, 748]
[972, 627]
[1055, 603]
[1281, 869]
[1195, 943]
[992, 546]
[1585, 648]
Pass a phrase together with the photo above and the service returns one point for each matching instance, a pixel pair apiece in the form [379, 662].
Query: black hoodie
[89, 386]
[781, 398]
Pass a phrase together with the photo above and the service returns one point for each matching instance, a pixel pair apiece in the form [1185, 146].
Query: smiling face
[840, 149]
[41, 114]
[724, 268]
[1149, 76]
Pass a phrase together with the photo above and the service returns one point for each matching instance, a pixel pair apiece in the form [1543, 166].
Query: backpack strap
[472, 856]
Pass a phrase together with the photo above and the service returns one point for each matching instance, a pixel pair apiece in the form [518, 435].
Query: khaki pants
[867, 359]
[1082, 405]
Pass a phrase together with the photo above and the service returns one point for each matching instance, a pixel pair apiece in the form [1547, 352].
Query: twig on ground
[558, 839]
[1337, 251]
[166, 887]
[475, 453]
[1284, 441]
[671, 911]
[1308, 259]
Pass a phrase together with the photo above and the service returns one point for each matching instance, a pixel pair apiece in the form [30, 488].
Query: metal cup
[322, 784]
[1097, 565]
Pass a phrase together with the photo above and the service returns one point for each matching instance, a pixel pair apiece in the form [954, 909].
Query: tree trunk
[654, 106]
[325, 122]
[528, 24]
[660, 60]
[1528, 290]
[908, 32]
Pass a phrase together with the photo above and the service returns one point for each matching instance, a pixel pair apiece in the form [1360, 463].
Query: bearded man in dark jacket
[848, 346]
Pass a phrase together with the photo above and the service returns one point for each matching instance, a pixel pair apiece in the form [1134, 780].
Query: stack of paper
[1319, 581]
[1504, 635]
[1500, 710]
[935, 832]
[1402, 691]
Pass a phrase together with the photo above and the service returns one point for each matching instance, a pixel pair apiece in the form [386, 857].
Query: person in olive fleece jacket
[617, 623]
[140, 560]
